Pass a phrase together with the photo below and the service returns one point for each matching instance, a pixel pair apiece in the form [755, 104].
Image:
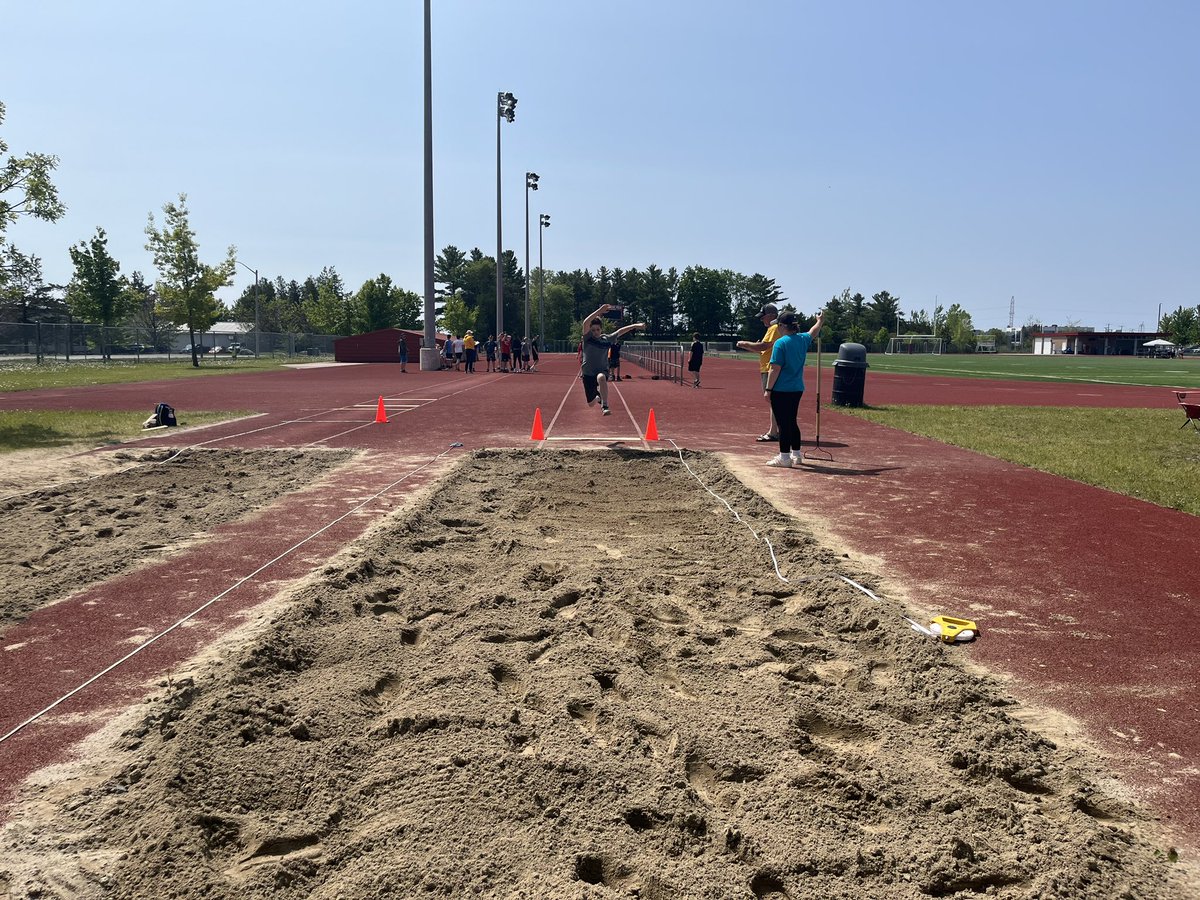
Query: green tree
[756, 292]
[186, 285]
[328, 307]
[703, 300]
[1183, 325]
[97, 292]
[958, 328]
[884, 311]
[458, 318]
[25, 190]
[384, 305]
[656, 302]
[837, 319]
[560, 312]
[146, 314]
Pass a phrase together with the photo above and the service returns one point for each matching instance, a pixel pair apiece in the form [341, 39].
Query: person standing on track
[594, 369]
[533, 348]
[490, 348]
[505, 351]
[469, 353]
[767, 315]
[785, 384]
[696, 359]
[403, 350]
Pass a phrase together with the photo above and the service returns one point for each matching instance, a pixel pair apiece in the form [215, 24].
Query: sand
[577, 674]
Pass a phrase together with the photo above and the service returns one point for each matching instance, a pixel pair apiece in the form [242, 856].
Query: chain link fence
[77, 341]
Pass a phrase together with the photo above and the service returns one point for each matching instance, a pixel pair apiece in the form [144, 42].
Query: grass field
[1181, 373]
[42, 429]
[23, 375]
[1138, 452]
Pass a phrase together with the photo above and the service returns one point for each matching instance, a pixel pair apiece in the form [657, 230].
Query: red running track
[1085, 598]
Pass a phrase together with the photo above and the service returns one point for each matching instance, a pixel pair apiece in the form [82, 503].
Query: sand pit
[61, 533]
[576, 675]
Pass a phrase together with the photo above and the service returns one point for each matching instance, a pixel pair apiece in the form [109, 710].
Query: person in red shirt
[505, 351]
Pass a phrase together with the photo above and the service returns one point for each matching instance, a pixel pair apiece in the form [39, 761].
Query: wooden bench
[1190, 402]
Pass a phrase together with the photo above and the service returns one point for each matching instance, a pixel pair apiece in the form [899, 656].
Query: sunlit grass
[1139, 452]
[25, 375]
[51, 429]
[1179, 373]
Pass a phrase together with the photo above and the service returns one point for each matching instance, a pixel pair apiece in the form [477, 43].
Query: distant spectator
[469, 353]
[489, 348]
[533, 348]
[696, 359]
[403, 351]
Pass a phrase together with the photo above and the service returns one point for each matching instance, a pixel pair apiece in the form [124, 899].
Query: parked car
[199, 348]
[216, 349]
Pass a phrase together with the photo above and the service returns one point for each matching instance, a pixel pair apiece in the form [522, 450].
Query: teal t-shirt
[789, 352]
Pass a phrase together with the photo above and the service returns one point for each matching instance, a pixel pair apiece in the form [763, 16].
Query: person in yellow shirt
[768, 314]
[469, 353]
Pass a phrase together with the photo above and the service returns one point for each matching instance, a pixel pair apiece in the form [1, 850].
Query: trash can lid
[854, 355]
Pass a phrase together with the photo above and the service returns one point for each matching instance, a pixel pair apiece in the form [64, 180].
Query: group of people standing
[508, 354]
[782, 354]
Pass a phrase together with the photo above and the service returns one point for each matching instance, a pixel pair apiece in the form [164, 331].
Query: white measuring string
[228, 590]
[763, 538]
[757, 536]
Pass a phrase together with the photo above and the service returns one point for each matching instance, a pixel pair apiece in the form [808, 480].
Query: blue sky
[946, 152]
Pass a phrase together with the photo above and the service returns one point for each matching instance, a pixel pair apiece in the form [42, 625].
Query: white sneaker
[782, 461]
[797, 458]
[605, 411]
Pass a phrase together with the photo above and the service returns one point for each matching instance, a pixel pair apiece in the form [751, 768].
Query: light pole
[531, 180]
[255, 271]
[543, 224]
[506, 108]
[429, 356]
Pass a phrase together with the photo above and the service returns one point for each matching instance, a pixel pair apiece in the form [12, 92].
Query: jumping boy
[596, 344]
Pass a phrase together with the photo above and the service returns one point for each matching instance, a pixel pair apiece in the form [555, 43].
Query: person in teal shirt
[785, 384]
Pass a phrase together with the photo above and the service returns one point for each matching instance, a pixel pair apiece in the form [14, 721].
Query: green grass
[49, 429]
[1177, 373]
[24, 375]
[1182, 373]
[1139, 452]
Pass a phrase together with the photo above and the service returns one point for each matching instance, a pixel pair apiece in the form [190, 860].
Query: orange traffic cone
[381, 413]
[537, 434]
[651, 427]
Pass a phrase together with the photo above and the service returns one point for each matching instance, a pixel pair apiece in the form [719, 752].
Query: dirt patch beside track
[577, 675]
[76, 532]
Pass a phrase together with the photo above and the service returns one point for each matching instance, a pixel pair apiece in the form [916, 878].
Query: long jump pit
[576, 674]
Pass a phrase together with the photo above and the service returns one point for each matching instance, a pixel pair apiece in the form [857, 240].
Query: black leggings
[784, 405]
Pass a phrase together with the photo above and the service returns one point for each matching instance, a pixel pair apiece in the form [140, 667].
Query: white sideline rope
[757, 536]
[221, 595]
[763, 538]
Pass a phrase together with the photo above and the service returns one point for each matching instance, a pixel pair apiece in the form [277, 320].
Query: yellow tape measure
[950, 629]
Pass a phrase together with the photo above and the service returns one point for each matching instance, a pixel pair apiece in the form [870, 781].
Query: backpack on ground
[164, 415]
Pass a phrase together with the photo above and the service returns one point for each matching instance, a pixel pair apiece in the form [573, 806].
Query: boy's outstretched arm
[628, 328]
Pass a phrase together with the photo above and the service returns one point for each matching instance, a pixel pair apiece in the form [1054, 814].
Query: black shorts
[590, 389]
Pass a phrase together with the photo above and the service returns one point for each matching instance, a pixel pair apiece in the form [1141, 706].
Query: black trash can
[850, 375]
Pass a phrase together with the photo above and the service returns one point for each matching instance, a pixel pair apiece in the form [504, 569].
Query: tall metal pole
[543, 224]
[531, 183]
[429, 350]
[256, 327]
[255, 271]
[526, 334]
[499, 229]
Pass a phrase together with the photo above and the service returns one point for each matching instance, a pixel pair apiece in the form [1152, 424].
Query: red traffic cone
[537, 433]
[651, 427]
[381, 413]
